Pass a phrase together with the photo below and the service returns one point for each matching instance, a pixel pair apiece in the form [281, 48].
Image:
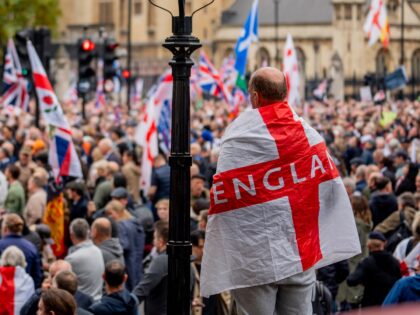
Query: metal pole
[402, 54]
[276, 30]
[182, 44]
[129, 55]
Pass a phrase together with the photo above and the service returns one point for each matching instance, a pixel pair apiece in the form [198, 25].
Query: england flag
[278, 204]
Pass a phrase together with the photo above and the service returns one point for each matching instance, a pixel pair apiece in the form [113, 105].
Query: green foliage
[19, 14]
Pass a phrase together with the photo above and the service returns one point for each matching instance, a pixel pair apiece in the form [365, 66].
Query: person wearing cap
[34, 209]
[11, 232]
[377, 273]
[79, 200]
[26, 165]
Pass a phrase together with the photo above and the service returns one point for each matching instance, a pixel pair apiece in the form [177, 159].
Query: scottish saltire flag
[249, 35]
[291, 71]
[146, 133]
[62, 155]
[164, 127]
[210, 80]
[16, 287]
[377, 25]
[15, 92]
[277, 202]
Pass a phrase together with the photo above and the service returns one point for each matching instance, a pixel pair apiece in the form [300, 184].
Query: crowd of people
[115, 234]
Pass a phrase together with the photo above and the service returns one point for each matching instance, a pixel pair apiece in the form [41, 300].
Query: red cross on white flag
[291, 70]
[376, 25]
[278, 205]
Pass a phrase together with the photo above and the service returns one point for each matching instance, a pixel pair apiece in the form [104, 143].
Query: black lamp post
[182, 44]
[276, 31]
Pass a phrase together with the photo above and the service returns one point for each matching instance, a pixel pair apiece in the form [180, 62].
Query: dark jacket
[382, 205]
[377, 273]
[331, 276]
[131, 236]
[111, 250]
[118, 303]
[79, 209]
[30, 307]
[152, 288]
[32, 256]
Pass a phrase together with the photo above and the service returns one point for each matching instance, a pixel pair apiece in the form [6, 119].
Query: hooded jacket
[118, 303]
[131, 236]
[112, 250]
[382, 205]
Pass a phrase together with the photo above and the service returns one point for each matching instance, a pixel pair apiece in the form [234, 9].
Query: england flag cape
[278, 204]
[16, 287]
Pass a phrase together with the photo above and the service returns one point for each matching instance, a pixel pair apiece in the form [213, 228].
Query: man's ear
[125, 277]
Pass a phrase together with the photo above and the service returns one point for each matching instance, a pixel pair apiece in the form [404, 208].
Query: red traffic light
[88, 45]
[126, 74]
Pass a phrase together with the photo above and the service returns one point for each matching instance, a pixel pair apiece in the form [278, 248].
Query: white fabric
[373, 30]
[256, 245]
[291, 69]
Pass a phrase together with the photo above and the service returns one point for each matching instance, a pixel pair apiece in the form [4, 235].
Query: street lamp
[276, 31]
[182, 44]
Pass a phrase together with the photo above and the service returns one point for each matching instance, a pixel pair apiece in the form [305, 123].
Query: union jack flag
[15, 91]
[210, 80]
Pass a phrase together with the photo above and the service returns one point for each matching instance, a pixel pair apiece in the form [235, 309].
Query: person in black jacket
[382, 202]
[117, 300]
[377, 273]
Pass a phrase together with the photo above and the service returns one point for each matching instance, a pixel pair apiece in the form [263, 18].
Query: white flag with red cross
[291, 70]
[278, 204]
[376, 25]
[146, 133]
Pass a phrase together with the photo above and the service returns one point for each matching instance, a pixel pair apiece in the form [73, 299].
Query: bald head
[59, 265]
[267, 86]
[101, 230]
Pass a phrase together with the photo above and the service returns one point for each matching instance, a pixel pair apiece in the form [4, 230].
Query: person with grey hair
[86, 259]
[16, 286]
[360, 176]
[350, 185]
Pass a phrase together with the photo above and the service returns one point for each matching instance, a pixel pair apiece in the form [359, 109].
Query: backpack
[322, 300]
[403, 231]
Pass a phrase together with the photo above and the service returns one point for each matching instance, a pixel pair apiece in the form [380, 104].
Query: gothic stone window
[382, 62]
[415, 65]
[105, 12]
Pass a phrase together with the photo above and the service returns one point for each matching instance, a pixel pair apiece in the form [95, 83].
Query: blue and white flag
[249, 35]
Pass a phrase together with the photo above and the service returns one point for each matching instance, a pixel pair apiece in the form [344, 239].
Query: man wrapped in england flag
[279, 209]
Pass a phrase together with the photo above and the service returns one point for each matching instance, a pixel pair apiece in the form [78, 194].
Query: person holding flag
[279, 208]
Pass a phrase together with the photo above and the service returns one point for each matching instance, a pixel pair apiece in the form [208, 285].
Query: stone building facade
[328, 36]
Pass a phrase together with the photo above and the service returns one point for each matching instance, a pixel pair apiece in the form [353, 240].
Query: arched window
[229, 51]
[415, 65]
[263, 57]
[383, 60]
